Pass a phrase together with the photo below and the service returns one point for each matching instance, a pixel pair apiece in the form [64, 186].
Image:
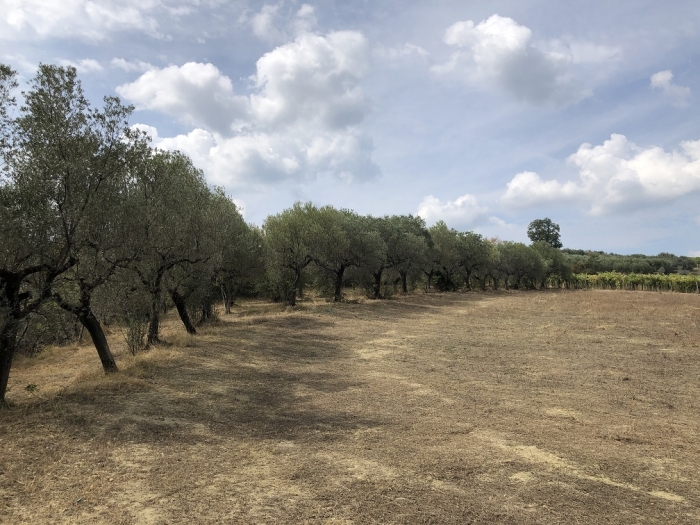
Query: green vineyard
[633, 281]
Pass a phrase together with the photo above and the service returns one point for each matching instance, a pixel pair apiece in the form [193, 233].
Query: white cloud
[497, 228]
[617, 175]
[305, 19]
[148, 130]
[258, 159]
[405, 51]
[574, 51]
[131, 65]
[498, 221]
[263, 24]
[194, 93]
[86, 19]
[313, 80]
[527, 190]
[21, 63]
[663, 80]
[500, 52]
[86, 65]
[694, 253]
[271, 24]
[463, 211]
[301, 121]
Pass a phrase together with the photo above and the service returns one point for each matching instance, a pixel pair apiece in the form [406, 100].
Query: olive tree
[288, 240]
[490, 270]
[405, 248]
[230, 259]
[556, 267]
[62, 162]
[447, 255]
[168, 225]
[475, 255]
[239, 263]
[520, 265]
[343, 239]
[242, 265]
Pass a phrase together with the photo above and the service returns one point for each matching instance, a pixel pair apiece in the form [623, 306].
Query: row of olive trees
[98, 225]
[309, 243]
[96, 222]
[339, 245]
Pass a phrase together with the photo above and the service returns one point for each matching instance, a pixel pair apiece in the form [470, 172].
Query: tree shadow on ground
[250, 377]
[252, 384]
[399, 308]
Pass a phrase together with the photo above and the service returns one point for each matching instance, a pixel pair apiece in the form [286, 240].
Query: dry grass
[557, 407]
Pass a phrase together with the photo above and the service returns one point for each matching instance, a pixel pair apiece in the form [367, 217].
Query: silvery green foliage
[62, 165]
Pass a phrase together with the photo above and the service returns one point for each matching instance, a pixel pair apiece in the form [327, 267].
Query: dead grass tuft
[185, 340]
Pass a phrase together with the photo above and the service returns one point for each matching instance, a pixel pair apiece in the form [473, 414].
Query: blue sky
[484, 114]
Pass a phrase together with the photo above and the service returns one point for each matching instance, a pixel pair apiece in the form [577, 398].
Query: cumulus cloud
[303, 118]
[194, 93]
[83, 18]
[463, 211]
[258, 159]
[86, 65]
[313, 79]
[617, 175]
[663, 81]
[500, 52]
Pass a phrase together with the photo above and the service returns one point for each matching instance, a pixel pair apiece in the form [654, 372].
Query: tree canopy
[544, 230]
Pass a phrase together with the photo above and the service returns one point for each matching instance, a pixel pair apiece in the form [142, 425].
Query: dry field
[539, 407]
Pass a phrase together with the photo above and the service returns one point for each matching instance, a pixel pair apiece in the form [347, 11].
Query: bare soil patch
[541, 407]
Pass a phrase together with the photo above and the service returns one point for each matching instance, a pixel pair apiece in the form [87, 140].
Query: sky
[486, 115]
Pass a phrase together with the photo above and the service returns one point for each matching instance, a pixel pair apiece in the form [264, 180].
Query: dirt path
[468, 408]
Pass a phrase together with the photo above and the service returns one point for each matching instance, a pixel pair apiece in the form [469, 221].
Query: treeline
[330, 249]
[592, 262]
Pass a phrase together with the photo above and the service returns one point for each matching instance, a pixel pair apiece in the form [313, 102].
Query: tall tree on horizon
[544, 230]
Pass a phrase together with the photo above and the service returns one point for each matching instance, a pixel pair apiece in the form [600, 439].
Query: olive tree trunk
[181, 306]
[338, 291]
[94, 328]
[377, 286]
[8, 346]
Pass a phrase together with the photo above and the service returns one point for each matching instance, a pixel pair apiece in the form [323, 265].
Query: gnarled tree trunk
[8, 346]
[182, 311]
[8, 331]
[94, 328]
[89, 321]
